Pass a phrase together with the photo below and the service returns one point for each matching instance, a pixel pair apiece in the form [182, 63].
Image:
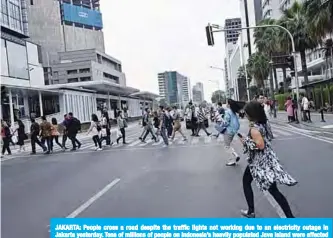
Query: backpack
[77, 124]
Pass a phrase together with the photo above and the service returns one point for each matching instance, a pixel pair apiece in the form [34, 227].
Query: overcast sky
[152, 36]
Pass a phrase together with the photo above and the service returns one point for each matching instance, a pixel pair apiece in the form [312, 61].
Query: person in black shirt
[73, 126]
[34, 132]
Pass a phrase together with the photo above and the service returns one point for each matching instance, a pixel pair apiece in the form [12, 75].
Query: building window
[31, 2]
[4, 13]
[73, 80]
[55, 74]
[83, 79]
[15, 16]
[83, 71]
[77, 2]
[74, 71]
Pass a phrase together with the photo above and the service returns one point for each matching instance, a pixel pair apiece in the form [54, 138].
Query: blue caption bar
[190, 227]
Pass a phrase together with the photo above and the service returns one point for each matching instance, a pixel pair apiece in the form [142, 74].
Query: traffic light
[290, 62]
[209, 34]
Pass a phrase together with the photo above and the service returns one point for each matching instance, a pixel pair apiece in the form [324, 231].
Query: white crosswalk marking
[135, 143]
[158, 142]
[146, 143]
[195, 141]
[181, 142]
[220, 138]
[284, 133]
[208, 139]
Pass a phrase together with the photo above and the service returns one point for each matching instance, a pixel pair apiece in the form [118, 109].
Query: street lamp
[218, 85]
[214, 67]
[221, 29]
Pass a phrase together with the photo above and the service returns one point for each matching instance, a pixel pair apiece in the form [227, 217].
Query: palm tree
[258, 68]
[328, 52]
[295, 20]
[319, 16]
[267, 41]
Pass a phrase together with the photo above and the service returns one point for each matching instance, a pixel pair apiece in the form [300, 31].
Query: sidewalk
[315, 118]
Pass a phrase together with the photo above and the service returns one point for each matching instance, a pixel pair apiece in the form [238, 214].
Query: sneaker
[231, 163]
[184, 139]
[246, 213]
[164, 146]
[99, 149]
[32, 153]
[96, 148]
[79, 146]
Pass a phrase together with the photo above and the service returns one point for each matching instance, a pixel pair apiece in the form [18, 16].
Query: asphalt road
[185, 180]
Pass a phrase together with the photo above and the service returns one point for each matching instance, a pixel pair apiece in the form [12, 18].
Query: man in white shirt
[306, 109]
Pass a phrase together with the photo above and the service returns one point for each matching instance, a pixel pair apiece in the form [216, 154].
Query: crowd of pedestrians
[263, 165]
[164, 123]
[47, 133]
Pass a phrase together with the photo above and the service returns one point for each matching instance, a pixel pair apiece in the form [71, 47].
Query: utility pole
[248, 27]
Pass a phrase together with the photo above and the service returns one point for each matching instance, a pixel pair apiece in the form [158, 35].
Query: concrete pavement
[185, 180]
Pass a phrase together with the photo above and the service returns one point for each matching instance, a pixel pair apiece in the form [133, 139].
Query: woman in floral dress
[264, 167]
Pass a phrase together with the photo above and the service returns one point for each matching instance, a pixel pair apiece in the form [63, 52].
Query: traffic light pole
[220, 29]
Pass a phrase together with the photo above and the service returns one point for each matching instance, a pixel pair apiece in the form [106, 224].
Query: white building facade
[82, 81]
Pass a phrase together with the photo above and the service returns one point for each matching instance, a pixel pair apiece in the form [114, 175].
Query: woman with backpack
[95, 129]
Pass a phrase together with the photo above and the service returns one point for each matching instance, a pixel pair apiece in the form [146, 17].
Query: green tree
[267, 42]
[328, 53]
[258, 68]
[219, 96]
[295, 20]
[319, 17]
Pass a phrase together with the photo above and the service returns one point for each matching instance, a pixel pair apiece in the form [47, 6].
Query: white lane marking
[300, 130]
[195, 141]
[146, 143]
[284, 133]
[327, 127]
[312, 137]
[135, 143]
[274, 204]
[208, 139]
[85, 205]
